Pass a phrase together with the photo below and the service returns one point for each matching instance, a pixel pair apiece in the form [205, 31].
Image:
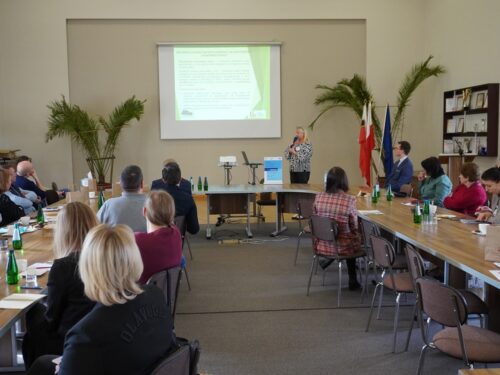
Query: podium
[455, 162]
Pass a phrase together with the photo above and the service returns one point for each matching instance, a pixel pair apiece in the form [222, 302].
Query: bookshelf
[470, 120]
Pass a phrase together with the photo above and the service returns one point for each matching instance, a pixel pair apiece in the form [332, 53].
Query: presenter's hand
[292, 151]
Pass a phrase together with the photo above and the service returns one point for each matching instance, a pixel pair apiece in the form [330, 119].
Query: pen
[30, 287]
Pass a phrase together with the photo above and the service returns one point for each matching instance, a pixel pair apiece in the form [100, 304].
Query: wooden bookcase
[473, 126]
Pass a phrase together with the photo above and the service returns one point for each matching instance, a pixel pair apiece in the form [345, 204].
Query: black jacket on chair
[129, 338]
[9, 211]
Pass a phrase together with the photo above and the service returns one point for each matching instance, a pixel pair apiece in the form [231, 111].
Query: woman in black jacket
[9, 211]
[130, 328]
[66, 303]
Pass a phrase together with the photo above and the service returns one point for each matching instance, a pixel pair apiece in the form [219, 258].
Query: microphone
[294, 140]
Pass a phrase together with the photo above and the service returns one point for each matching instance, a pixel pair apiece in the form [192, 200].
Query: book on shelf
[450, 104]
[448, 146]
[451, 126]
[459, 102]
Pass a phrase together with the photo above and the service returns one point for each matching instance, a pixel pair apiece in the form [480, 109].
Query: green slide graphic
[222, 82]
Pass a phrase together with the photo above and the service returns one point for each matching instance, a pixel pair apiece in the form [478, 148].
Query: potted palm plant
[354, 93]
[70, 120]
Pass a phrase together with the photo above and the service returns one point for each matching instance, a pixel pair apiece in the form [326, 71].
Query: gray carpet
[249, 310]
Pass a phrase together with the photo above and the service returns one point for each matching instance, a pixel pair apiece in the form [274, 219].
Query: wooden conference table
[451, 241]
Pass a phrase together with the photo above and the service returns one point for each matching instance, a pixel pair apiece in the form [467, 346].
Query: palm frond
[413, 79]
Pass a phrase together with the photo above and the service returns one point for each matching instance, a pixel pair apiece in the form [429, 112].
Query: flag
[387, 143]
[366, 144]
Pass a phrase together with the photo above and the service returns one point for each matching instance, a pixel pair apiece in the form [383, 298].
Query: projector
[227, 160]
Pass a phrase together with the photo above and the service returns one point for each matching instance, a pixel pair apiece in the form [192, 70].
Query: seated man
[161, 184]
[23, 198]
[27, 179]
[126, 209]
[184, 202]
[402, 170]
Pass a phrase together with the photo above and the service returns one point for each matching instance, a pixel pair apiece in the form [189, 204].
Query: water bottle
[205, 184]
[200, 186]
[40, 217]
[191, 183]
[374, 195]
[12, 272]
[427, 212]
[417, 215]
[17, 242]
[389, 195]
[377, 189]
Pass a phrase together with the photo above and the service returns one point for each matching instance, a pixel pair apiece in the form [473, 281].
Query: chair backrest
[415, 264]
[305, 207]
[323, 228]
[177, 363]
[383, 252]
[442, 303]
[168, 281]
[407, 189]
[367, 229]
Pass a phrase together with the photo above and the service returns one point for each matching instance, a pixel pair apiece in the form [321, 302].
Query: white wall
[463, 36]
[34, 65]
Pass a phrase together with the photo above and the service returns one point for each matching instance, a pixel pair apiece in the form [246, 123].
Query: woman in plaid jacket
[336, 204]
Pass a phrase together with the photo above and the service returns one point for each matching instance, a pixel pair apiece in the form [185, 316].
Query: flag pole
[382, 139]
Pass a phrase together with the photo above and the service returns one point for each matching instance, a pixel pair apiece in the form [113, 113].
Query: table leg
[8, 352]
[280, 228]
[209, 229]
[249, 230]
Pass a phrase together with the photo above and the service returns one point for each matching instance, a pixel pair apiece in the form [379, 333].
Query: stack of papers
[370, 212]
[496, 273]
[19, 301]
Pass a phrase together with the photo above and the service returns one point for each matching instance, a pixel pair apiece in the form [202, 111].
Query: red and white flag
[366, 142]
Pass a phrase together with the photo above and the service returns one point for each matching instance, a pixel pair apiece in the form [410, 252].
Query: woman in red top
[336, 204]
[469, 195]
[161, 246]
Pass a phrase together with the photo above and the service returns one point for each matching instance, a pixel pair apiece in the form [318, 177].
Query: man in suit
[161, 184]
[184, 202]
[402, 170]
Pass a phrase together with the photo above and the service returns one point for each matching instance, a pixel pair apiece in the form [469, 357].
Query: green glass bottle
[374, 195]
[417, 215]
[427, 211]
[389, 194]
[12, 272]
[100, 200]
[191, 183]
[40, 217]
[200, 186]
[17, 241]
[205, 184]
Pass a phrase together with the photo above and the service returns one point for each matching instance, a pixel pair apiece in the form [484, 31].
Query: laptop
[246, 159]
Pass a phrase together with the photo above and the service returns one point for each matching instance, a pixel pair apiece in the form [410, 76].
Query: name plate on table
[492, 248]
[273, 170]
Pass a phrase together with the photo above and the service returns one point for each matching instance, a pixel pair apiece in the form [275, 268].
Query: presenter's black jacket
[162, 185]
[129, 338]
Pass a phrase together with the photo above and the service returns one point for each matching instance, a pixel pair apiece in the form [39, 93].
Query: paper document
[496, 273]
[497, 264]
[19, 301]
[370, 212]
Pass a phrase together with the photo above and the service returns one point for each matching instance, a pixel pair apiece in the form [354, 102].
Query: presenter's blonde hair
[160, 208]
[110, 265]
[306, 136]
[74, 221]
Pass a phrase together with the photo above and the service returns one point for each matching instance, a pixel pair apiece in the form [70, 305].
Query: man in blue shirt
[27, 179]
[402, 170]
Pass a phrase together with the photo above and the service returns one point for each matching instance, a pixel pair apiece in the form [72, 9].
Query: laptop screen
[245, 157]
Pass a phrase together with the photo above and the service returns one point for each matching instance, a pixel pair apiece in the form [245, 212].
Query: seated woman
[433, 183]
[491, 181]
[66, 304]
[336, 204]
[130, 329]
[9, 211]
[161, 246]
[469, 195]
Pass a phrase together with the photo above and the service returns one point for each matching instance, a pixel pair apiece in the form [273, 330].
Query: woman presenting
[299, 155]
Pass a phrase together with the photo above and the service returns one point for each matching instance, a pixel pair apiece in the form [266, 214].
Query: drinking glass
[31, 276]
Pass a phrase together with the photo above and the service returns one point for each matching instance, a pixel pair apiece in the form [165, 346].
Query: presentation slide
[222, 82]
[219, 91]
